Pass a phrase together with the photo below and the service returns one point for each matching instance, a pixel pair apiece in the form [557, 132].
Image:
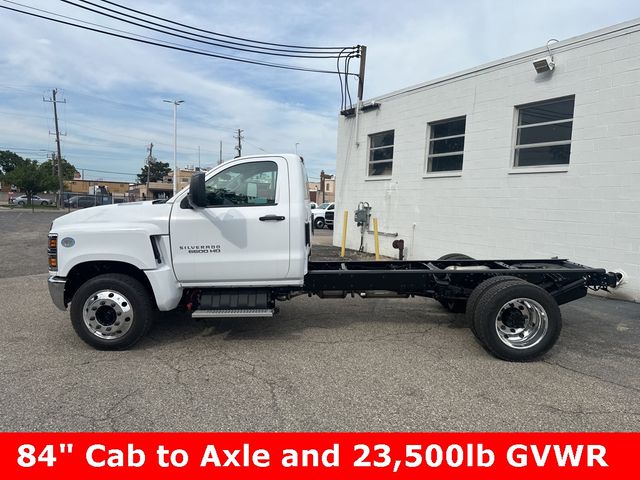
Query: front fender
[127, 244]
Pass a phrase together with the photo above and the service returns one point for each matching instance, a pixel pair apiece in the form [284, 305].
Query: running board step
[234, 313]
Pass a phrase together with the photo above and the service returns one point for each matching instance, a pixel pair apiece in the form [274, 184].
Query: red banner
[321, 456]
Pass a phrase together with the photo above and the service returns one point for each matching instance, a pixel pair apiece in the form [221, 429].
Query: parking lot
[379, 364]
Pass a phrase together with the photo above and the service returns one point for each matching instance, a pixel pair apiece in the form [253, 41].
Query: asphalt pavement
[354, 365]
[23, 240]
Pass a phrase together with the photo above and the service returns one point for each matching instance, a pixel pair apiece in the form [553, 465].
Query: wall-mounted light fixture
[546, 64]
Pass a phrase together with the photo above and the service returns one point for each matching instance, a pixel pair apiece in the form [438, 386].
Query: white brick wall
[589, 213]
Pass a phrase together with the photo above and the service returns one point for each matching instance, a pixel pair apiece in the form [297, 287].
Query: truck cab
[251, 230]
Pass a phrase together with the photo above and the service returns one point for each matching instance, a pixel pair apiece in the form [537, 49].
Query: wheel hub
[521, 323]
[107, 314]
[513, 318]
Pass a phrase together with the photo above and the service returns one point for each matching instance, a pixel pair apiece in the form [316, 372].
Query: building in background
[85, 187]
[164, 189]
[316, 194]
[501, 161]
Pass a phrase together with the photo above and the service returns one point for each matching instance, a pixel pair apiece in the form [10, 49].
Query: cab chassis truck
[238, 240]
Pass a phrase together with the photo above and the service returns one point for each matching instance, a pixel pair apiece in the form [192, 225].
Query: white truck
[320, 213]
[238, 240]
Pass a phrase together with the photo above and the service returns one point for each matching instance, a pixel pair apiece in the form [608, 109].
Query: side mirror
[197, 193]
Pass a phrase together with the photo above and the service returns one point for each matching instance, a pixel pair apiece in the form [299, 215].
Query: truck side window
[247, 184]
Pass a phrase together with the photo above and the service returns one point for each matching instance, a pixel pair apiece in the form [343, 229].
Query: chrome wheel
[521, 323]
[108, 314]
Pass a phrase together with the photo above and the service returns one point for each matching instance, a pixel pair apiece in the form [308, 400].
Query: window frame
[276, 192]
[373, 162]
[427, 173]
[547, 167]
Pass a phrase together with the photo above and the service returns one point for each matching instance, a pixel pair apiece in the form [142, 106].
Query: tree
[31, 178]
[158, 170]
[68, 170]
[8, 161]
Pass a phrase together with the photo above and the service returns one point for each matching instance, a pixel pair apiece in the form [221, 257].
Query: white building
[500, 161]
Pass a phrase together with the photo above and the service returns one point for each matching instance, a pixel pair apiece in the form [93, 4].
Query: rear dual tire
[479, 291]
[516, 320]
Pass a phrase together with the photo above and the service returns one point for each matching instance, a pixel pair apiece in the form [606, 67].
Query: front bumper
[56, 290]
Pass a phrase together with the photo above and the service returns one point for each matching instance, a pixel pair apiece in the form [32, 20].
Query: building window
[446, 145]
[381, 153]
[543, 134]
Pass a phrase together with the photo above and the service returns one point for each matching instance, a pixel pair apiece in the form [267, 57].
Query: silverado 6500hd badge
[199, 248]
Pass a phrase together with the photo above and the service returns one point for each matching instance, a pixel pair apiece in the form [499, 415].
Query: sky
[114, 88]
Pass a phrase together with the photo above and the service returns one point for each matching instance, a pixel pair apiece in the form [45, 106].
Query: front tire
[44, 203]
[319, 223]
[111, 311]
[517, 321]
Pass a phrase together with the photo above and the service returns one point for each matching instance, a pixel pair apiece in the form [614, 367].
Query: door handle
[272, 218]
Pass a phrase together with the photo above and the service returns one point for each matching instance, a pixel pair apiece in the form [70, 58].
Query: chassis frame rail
[453, 279]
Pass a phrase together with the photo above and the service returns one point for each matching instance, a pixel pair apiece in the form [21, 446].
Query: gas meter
[362, 215]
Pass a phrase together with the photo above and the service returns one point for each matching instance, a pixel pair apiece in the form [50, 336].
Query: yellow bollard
[376, 240]
[344, 232]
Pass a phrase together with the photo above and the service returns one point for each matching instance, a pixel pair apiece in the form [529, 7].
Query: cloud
[114, 88]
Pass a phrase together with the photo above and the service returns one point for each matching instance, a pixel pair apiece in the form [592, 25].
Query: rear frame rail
[440, 279]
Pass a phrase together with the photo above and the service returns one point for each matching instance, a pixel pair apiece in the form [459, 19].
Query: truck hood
[138, 215]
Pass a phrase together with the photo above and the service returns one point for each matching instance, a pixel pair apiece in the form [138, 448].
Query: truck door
[242, 236]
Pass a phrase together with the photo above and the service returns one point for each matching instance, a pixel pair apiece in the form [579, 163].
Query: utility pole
[220, 161]
[149, 162]
[59, 152]
[175, 142]
[198, 157]
[53, 163]
[239, 146]
[322, 184]
[363, 62]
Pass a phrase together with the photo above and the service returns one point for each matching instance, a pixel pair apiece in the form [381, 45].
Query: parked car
[319, 214]
[82, 202]
[36, 200]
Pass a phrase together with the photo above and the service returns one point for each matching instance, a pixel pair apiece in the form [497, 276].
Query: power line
[15, 149]
[216, 33]
[106, 171]
[172, 47]
[256, 146]
[296, 53]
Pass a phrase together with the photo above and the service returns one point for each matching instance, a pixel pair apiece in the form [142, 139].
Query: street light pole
[175, 142]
